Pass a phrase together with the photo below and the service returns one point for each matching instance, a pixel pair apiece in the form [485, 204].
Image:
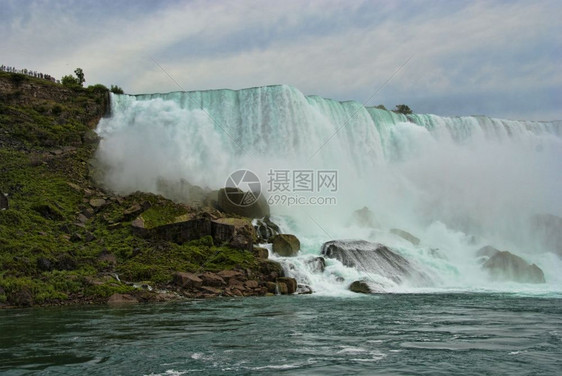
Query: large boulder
[3, 201]
[360, 287]
[406, 236]
[375, 258]
[286, 245]
[235, 201]
[487, 251]
[506, 266]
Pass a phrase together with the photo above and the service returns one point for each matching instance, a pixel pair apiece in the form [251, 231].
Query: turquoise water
[390, 334]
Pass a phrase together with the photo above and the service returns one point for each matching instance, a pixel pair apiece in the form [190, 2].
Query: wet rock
[360, 287]
[316, 264]
[266, 230]
[291, 284]
[271, 287]
[406, 236]
[304, 289]
[286, 245]
[187, 280]
[506, 266]
[122, 299]
[282, 288]
[375, 258]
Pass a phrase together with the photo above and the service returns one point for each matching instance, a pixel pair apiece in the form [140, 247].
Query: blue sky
[499, 58]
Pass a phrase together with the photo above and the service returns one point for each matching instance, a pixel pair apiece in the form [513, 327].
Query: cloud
[344, 50]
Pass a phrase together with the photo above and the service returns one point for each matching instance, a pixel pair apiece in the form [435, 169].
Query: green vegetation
[402, 109]
[55, 247]
[116, 89]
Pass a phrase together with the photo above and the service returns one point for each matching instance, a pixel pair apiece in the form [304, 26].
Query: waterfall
[457, 183]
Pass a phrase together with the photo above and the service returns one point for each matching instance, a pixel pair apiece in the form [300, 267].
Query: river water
[390, 334]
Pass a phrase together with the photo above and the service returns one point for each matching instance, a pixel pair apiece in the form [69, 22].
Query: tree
[80, 76]
[381, 107]
[70, 81]
[402, 109]
[116, 89]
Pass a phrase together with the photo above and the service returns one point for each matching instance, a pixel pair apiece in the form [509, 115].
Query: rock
[375, 258]
[360, 287]
[97, 203]
[212, 279]
[282, 288]
[122, 299]
[184, 231]
[487, 251]
[75, 187]
[88, 213]
[304, 289]
[506, 266]
[286, 245]
[227, 275]
[261, 253]
[231, 200]
[134, 211]
[364, 218]
[187, 280]
[406, 236]
[271, 269]
[4, 204]
[316, 264]
[266, 230]
[271, 287]
[211, 290]
[251, 284]
[291, 284]
[82, 218]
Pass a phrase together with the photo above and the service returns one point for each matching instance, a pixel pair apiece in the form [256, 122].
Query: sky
[453, 58]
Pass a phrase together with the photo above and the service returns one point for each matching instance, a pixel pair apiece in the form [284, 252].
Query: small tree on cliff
[80, 76]
[402, 109]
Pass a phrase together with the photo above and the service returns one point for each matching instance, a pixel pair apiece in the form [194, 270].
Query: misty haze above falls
[442, 177]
